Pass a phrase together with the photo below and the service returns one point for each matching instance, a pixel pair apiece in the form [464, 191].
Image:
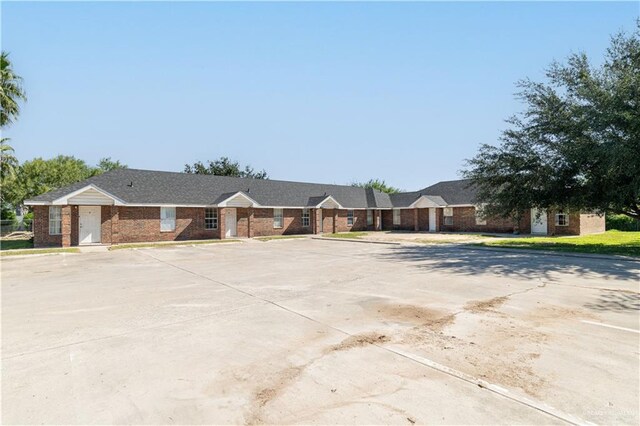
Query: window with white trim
[480, 217]
[55, 220]
[210, 218]
[562, 218]
[396, 216]
[369, 217]
[167, 219]
[306, 217]
[278, 218]
[448, 215]
[349, 217]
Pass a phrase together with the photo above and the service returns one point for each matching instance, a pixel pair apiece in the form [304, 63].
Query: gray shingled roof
[405, 199]
[453, 191]
[154, 187]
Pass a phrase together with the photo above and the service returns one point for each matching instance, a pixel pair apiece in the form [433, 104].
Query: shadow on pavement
[616, 301]
[469, 261]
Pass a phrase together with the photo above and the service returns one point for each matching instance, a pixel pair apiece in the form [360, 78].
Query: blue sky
[331, 92]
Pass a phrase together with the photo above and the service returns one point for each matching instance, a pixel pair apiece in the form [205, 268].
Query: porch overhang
[238, 199]
[329, 203]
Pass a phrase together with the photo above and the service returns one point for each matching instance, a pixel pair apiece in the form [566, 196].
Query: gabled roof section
[328, 203]
[425, 201]
[153, 188]
[454, 192]
[238, 199]
[86, 195]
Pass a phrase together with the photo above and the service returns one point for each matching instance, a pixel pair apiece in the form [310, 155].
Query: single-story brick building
[128, 205]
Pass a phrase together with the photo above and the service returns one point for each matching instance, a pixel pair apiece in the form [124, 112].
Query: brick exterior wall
[464, 220]
[140, 224]
[359, 221]
[579, 224]
[328, 221]
[423, 219]
[572, 229]
[406, 220]
[41, 237]
[592, 224]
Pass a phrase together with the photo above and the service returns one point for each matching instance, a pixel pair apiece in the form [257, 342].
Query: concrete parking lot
[316, 332]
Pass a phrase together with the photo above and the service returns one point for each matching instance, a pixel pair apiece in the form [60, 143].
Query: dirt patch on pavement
[500, 349]
[479, 306]
[418, 315]
[553, 313]
[284, 379]
[516, 373]
[357, 341]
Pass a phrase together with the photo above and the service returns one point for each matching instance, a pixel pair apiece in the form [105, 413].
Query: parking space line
[498, 390]
[611, 326]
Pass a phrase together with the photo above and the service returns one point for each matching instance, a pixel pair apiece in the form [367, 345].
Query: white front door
[320, 220]
[89, 224]
[538, 224]
[432, 220]
[230, 223]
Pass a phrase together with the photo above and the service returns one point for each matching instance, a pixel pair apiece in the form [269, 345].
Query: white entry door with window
[230, 223]
[538, 224]
[89, 224]
[432, 220]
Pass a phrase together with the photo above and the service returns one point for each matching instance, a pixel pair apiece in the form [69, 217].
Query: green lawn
[39, 251]
[355, 235]
[279, 237]
[611, 242]
[15, 244]
[171, 244]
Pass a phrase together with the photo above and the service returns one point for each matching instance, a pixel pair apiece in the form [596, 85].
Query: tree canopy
[577, 143]
[224, 167]
[378, 184]
[106, 164]
[38, 176]
[11, 93]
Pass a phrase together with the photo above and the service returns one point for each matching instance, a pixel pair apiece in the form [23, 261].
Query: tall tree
[11, 91]
[577, 143]
[224, 167]
[378, 184]
[106, 164]
[8, 161]
[38, 176]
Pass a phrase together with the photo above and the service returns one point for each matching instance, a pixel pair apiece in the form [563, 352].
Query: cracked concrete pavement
[315, 332]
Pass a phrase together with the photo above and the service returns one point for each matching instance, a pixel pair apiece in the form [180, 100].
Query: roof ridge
[205, 176]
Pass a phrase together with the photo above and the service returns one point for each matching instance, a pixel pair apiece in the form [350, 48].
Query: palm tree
[10, 91]
[8, 161]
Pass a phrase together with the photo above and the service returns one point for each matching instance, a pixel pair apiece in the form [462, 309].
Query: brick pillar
[439, 213]
[249, 221]
[115, 217]
[378, 220]
[416, 227]
[317, 219]
[66, 226]
[221, 223]
[335, 220]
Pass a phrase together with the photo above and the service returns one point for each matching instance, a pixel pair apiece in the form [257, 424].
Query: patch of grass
[279, 237]
[16, 244]
[354, 235]
[441, 241]
[610, 242]
[171, 244]
[39, 251]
